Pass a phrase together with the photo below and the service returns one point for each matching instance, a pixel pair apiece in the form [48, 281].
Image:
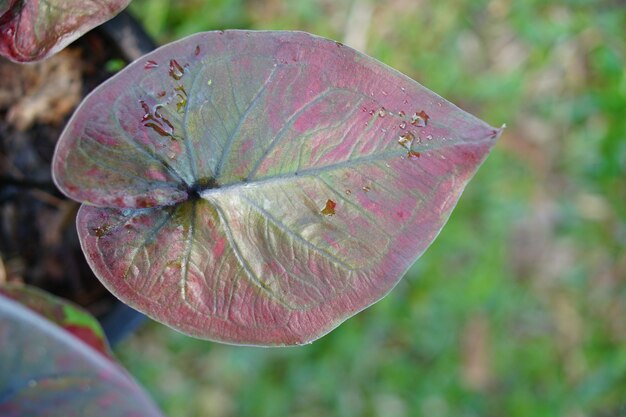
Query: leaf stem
[47, 186]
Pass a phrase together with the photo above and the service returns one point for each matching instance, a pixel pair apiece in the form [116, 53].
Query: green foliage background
[518, 308]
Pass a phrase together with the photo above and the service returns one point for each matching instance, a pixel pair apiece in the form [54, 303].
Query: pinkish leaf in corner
[45, 370]
[5, 5]
[31, 30]
[63, 313]
[262, 187]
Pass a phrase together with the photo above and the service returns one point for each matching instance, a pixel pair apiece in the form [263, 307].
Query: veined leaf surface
[31, 30]
[46, 371]
[262, 187]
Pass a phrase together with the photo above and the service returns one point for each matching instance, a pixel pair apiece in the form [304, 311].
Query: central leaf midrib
[243, 261]
[188, 250]
[311, 172]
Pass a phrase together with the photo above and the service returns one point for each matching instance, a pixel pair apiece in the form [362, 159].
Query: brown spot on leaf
[176, 71]
[329, 208]
[145, 202]
[420, 119]
[406, 140]
[155, 121]
[174, 264]
[182, 98]
[413, 155]
[100, 230]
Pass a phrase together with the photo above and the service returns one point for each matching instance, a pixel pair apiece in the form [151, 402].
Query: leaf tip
[496, 133]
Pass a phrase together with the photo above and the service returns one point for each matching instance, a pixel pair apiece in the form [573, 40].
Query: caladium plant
[31, 30]
[54, 361]
[64, 314]
[262, 187]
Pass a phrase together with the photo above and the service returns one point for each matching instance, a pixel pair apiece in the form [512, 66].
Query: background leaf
[46, 371]
[213, 162]
[69, 316]
[31, 30]
[5, 5]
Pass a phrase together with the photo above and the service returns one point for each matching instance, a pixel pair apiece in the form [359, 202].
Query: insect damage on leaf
[229, 155]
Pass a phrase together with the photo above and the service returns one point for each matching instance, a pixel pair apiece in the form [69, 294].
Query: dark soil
[38, 241]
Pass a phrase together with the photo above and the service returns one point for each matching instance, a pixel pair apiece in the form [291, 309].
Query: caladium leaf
[31, 30]
[46, 371]
[5, 5]
[262, 187]
[63, 313]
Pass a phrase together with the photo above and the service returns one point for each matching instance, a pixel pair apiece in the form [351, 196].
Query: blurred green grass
[518, 308]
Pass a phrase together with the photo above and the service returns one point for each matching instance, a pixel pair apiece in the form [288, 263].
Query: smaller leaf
[46, 371]
[5, 5]
[31, 30]
[64, 314]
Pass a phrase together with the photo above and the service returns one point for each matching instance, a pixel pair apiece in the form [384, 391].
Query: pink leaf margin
[27, 34]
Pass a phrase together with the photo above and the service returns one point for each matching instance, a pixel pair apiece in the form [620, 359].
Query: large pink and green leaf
[31, 30]
[47, 371]
[262, 187]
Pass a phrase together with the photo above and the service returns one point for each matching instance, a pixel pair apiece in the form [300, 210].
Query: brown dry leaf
[569, 335]
[476, 367]
[45, 92]
[358, 25]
